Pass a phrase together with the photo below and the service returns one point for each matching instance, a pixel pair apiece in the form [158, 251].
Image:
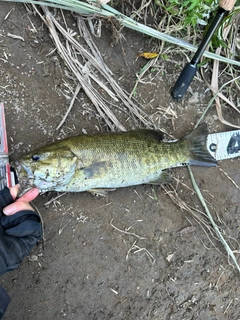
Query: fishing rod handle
[227, 4]
[184, 80]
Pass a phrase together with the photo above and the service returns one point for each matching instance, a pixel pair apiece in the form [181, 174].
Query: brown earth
[122, 256]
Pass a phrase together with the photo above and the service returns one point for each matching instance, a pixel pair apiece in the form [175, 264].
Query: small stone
[194, 98]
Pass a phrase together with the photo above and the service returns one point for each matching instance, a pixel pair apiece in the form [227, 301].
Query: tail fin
[197, 140]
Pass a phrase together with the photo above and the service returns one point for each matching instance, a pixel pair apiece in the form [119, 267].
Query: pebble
[194, 98]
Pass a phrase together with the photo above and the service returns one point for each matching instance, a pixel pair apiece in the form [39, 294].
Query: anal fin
[164, 178]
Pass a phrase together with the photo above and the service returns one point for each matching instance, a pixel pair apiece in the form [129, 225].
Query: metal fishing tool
[189, 71]
[7, 175]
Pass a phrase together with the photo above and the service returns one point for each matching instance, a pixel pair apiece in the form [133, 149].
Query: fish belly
[103, 176]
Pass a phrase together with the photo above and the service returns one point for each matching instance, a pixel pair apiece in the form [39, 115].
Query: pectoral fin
[95, 170]
[164, 178]
[100, 192]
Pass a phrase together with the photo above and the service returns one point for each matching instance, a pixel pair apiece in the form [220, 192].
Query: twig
[217, 93]
[42, 223]
[228, 306]
[8, 14]
[126, 232]
[62, 228]
[50, 201]
[225, 173]
[70, 107]
[85, 34]
[172, 193]
[141, 74]
[138, 249]
[14, 36]
[214, 86]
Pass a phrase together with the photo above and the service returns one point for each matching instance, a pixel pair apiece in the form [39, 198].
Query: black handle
[190, 69]
[184, 80]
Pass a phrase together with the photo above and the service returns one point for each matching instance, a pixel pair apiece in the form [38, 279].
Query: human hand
[20, 227]
[21, 203]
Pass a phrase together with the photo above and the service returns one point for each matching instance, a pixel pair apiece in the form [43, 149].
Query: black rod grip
[184, 80]
[190, 69]
[208, 36]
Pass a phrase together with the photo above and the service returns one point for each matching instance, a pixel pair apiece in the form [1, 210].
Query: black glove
[18, 234]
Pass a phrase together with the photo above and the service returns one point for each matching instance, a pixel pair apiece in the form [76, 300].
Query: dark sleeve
[5, 198]
[19, 233]
[4, 301]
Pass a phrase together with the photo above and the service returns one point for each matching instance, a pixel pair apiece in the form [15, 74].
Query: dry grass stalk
[214, 85]
[70, 53]
[214, 225]
[140, 76]
[54, 199]
[126, 232]
[229, 178]
[198, 215]
[136, 249]
[205, 220]
[97, 8]
[70, 106]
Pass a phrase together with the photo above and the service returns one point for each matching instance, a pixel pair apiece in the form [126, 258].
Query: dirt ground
[127, 255]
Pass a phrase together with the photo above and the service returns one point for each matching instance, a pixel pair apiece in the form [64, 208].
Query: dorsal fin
[148, 133]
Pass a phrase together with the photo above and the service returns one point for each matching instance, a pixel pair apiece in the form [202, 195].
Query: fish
[100, 161]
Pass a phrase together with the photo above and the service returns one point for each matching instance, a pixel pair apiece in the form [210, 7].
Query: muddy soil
[127, 255]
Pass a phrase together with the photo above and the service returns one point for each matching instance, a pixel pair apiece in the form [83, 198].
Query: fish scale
[111, 160]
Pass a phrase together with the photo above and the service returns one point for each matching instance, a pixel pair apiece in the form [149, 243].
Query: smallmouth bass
[110, 160]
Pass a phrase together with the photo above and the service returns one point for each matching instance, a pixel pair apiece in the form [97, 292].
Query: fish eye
[35, 157]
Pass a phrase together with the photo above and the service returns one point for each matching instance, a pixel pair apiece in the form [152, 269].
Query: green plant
[105, 11]
[197, 13]
[190, 12]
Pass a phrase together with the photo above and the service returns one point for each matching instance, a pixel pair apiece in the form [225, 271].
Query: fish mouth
[24, 174]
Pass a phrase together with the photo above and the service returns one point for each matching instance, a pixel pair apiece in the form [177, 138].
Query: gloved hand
[20, 227]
